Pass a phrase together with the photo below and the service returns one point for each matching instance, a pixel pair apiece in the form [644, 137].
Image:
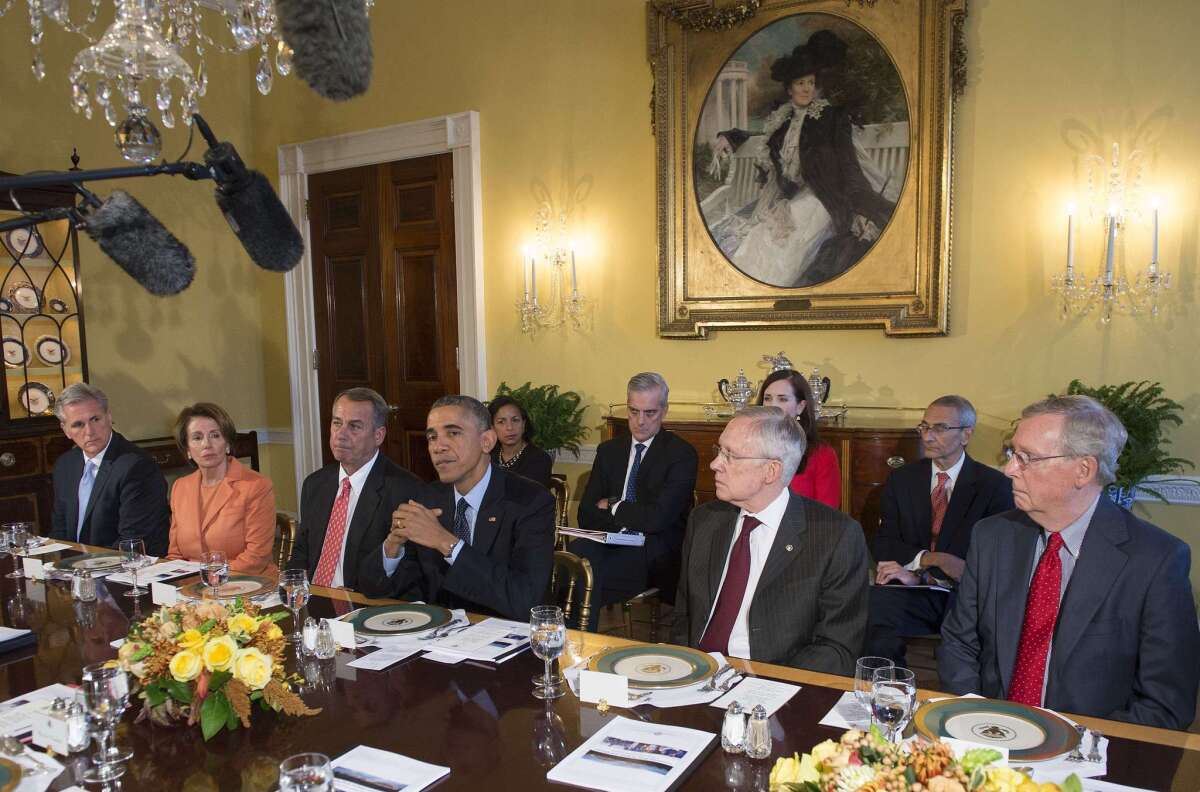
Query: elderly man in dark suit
[483, 539]
[1070, 602]
[642, 482]
[346, 507]
[768, 575]
[105, 489]
[929, 507]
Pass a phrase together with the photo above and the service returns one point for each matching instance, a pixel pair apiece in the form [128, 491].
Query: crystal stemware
[547, 636]
[893, 698]
[293, 590]
[133, 558]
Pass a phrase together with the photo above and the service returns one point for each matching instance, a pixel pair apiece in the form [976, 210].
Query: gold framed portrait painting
[804, 162]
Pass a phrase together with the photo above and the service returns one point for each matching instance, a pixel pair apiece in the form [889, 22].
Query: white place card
[753, 691]
[33, 568]
[382, 658]
[597, 685]
[163, 594]
[343, 633]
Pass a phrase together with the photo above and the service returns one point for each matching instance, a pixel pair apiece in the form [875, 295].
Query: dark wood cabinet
[868, 449]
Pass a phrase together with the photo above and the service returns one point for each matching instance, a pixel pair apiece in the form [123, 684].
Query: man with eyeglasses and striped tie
[1070, 602]
[927, 511]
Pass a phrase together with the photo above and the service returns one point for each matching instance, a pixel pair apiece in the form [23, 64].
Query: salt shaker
[758, 734]
[309, 645]
[733, 730]
[77, 730]
[83, 586]
[326, 647]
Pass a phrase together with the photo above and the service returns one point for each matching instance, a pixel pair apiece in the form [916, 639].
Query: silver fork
[1076, 754]
[728, 684]
[711, 685]
[1094, 754]
[443, 630]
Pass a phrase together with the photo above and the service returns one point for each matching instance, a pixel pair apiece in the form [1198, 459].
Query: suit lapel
[620, 464]
[491, 513]
[75, 474]
[960, 502]
[720, 537]
[787, 544]
[102, 477]
[364, 510]
[922, 505]
[220, 498]
[1014, 564]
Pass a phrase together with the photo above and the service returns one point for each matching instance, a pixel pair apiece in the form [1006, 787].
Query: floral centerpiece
[209, 662]
[866, 762]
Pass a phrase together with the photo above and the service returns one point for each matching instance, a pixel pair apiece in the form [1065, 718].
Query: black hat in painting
[823, 50]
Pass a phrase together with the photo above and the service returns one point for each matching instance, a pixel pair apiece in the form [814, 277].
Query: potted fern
[1146, 414]
[557, 416]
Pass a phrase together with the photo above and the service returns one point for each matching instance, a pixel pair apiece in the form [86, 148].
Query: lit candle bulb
[1070, 240]
[574, 285]
[1154, 253]
[1112, 240]
[533, 276]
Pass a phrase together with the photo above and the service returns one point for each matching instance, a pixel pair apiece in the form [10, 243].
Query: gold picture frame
[901, 282]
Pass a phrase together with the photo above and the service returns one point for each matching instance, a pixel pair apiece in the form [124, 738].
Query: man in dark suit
[768, 575]
[643, 482]
[1072, 603]
[346, 507]
[483, 539]
[105, 489]
[929, 508]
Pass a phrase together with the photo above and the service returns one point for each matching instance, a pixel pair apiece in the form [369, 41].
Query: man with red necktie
[769, 575]
[1070, 602]
[927, 511]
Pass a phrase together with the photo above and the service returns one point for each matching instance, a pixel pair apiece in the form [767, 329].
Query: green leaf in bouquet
[278, 616]
[214, 714]
[155, 695]
[978, 757]
[206, 628]
[801, 786]
[218, 679]
[978, 779]
[180, 691]
[1071, 784]
[142, 654]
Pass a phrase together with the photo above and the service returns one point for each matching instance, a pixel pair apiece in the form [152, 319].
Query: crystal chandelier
[139, 60]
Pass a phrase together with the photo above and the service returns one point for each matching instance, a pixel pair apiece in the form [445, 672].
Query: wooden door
[384, 292]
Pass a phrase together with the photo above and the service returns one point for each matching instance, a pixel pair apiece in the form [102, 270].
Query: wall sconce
[561, 304]
[1121, 195]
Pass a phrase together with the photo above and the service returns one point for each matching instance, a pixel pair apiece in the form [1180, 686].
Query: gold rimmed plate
[657, 666]
[92, 562]
[250, 586]
[10, 775]
[1029, 734]
[399, 619]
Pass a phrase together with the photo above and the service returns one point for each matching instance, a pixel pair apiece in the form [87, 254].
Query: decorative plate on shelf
[16, 354]
[5, 305]
[25, 297]
[1029, 734]
[36, 398]
[57, 305]
[10, 775]
[237, 586]
[399, 619]
[24, 243]
[89, 561]
[51, 350]
[658, 666]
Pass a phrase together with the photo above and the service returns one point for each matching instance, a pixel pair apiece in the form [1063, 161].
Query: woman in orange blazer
[224, 505]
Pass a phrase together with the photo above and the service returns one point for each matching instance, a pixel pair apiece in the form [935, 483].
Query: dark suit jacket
[810, 607]
[907, 512]
[1125, 644]
[665, 485]
[534, 464]
[504, 571]
[387, 486]
[129, 499]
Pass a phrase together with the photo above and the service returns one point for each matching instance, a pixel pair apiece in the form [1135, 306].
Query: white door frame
[458, 134]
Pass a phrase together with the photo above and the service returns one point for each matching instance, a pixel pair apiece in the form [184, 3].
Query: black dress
[533, 463]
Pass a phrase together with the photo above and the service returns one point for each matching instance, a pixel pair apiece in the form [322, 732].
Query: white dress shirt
[952, 472]
[761, 541]
[357, 480]
[95, 463]
[612, 507]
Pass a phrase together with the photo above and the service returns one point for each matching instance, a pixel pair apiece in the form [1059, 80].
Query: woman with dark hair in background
[818, 477]
[515, 451]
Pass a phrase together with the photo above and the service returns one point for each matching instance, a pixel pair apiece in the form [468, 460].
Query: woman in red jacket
[818, 477]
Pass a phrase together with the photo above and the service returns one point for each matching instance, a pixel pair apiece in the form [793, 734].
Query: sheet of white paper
[597, 685]
[49, 547]
[1058, 768]
[382, 771]
[486, 640]
[632, 756]
[8, 633]
[157, 572]
[448, 659]
[16, 713]
[752, 691]
[37, 783]
[382, 658]
[847, 713]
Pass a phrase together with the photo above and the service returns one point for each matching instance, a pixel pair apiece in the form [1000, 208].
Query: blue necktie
[631, 487]
[462, 528]
[85, 494]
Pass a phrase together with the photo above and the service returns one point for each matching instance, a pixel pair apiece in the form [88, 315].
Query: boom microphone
[133, 238]
[255, 213]
[331, 42]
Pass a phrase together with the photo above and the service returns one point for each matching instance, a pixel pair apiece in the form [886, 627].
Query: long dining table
[479, 720]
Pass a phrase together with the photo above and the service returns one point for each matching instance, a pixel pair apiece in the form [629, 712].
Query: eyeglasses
[938, 428]
[724, 455]
[1023, 460]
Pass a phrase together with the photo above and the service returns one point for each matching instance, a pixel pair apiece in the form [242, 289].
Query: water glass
[16, 538]
[293, 590]
[864, 678]
[105, 695]
[214, 570]
[133, 558]
[306, 772]
[547, 637]
[893, 698]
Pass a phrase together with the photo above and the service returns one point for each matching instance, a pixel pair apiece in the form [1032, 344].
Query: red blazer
[821, 480]
[240, 520]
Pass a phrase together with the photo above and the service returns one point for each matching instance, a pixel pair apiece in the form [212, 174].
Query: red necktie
[733, 590]
[939, 502]
[1041, 612]
[335, 532]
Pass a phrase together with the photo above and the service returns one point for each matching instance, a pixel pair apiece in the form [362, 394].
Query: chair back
[562, 498]
[578, 574]
[285, 537]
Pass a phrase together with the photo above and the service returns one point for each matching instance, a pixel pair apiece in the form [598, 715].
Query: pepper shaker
[326, 647]
[758, 734]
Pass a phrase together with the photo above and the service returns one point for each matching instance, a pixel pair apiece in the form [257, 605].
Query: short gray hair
[74, 394]
[474, 408]
[648, 381]
[776, 436]
[966, 410]
[1089, 429]
[380, 409]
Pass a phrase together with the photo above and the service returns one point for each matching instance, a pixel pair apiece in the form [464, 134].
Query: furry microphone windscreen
[331, 42]
[261, 224]
[140, 245]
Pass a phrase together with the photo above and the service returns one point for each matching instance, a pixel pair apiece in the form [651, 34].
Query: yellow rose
[219, 653]
[190, 639]
[785, 771]
[252, 668]
[1003, 779]
[186, 666]
[242, 624]
[273, 632]
[822, 751]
